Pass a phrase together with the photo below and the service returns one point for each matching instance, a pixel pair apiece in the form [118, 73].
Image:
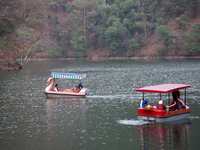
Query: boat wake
[110, 96]
[133, 122]
[193, 117]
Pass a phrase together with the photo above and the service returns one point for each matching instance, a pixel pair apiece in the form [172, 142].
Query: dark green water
[106, 117]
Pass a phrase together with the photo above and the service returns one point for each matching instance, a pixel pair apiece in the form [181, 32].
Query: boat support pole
[185, 99]
[143, 95]
[168, 99]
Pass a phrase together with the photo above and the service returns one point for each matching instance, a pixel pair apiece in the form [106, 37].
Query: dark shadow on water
[141, 122]
[183, 121]
[171, 135]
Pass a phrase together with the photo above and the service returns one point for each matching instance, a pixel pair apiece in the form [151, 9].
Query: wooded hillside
[98, 28]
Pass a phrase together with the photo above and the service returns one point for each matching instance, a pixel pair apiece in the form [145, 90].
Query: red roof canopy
[163, 88]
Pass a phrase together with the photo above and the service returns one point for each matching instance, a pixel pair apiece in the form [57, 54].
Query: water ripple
[132, 122]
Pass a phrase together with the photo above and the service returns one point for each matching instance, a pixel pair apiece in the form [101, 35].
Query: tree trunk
[145, 34]
[26, 58]
[84, 23]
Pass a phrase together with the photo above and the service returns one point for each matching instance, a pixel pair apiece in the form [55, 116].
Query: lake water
[106, 117]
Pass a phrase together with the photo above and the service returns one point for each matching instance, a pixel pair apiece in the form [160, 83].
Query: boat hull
[161, 116]
[65, 94]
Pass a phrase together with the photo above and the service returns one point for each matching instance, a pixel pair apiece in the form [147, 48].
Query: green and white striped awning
[68, 75]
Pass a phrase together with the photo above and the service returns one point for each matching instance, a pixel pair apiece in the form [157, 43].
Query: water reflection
[66, 122]
[30, 121]
[164, 136]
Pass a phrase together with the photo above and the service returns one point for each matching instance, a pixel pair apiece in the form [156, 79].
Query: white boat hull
[56, 95]
[165, 119]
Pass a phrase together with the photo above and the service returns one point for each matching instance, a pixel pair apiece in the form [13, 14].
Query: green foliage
[62, 4]
[139, 27]
[160, 21]
[191, 8]
[178, 7]
[112, 49]
[182, 17]
[54, 49]
[39, 46]
[54, 5]
[141, 55]
[129, 54]
[114, 10]
[116, 31]
[26, 33]
[136, 43]
[7, 27]
[195, 28]
[16, 62]
[120, 23]
[111, 20]
[64, 35]
[64, 52]
[133, 44]
[161, 51]
[116, 23]
[8, 63]
[114, 35]
[164, 35]
[102, 10]
[56, 20]
[98, 34]
[110, 34]
[182, 25]
[128, 24]
[69, 6]
[191, 42]
[78, 44]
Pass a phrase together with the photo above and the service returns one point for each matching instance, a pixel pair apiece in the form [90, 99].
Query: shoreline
[102, 59]
[118, 58]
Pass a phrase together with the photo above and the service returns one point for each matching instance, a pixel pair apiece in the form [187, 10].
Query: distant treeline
[123, 26]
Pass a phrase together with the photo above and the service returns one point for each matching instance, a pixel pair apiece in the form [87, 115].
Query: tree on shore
[191, 42]
[163, 33]
[121, 27]
[15, 15]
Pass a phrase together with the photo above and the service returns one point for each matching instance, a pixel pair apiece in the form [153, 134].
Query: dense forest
[108, 28]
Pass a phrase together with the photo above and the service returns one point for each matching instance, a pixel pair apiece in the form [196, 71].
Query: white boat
[64, 93]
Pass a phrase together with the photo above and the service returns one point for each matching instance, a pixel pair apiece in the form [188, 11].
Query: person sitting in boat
[176, 100]
[56, 88]
[77, 89]
[160, 105]
[73, 89]
[145, 103]
[178, 104]
[141, 101]
[81, 86]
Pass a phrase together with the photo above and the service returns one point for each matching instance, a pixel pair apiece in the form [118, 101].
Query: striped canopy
[68, 75]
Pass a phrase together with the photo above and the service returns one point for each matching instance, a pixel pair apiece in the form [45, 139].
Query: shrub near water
[53, 50]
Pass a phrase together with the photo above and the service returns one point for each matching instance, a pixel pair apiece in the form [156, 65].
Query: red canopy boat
[160, 115]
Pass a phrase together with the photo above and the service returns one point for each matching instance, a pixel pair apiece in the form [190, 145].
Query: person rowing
[160, 105]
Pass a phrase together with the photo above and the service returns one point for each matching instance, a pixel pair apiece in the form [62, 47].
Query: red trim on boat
[153, 112]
